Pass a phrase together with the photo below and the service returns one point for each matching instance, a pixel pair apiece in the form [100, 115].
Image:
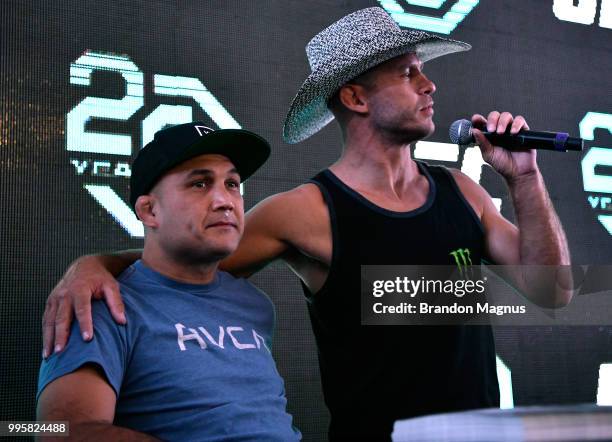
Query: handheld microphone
[461, 133]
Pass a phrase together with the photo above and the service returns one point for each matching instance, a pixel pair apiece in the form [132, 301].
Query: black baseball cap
[176, 144]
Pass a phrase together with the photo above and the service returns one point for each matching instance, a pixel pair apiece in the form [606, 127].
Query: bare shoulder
[464, 182]
[501, 236]
[474, 193]
[305, 194]
[291, 212]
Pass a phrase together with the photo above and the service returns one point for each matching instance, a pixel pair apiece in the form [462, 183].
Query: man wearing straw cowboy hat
[375, 205]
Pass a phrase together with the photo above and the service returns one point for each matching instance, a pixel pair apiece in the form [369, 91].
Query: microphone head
[460, 132]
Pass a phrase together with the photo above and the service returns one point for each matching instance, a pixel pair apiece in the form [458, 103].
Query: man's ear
[353, 97]
[145, 210]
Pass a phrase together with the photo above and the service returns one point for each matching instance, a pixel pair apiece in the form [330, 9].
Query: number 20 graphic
[80, 140]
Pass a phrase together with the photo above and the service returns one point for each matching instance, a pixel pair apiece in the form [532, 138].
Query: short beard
[394, 133]
[397, 127]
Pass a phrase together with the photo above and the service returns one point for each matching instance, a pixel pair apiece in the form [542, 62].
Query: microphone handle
[527, 139]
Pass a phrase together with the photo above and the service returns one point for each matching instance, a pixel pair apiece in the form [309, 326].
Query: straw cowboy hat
[346, 49]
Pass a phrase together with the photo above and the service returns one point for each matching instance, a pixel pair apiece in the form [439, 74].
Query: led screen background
[250, 57]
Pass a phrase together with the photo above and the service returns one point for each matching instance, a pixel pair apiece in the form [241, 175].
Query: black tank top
[374, 375]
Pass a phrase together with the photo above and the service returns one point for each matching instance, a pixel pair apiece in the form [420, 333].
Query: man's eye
[199, 184]
[413, 71]
[233, 184]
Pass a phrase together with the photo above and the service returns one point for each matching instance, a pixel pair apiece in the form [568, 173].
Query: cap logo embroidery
[203, 129]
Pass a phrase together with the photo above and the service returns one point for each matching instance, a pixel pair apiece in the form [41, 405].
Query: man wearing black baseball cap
[176, 144]
[194, 361]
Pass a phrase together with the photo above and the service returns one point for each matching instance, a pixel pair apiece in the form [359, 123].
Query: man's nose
[428, 87]
[222, 199]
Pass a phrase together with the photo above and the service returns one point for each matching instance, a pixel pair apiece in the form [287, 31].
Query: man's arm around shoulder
[272, 230]
[91, 276]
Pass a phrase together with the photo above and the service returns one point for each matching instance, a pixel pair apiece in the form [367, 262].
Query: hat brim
[246, 150]
[309, 113]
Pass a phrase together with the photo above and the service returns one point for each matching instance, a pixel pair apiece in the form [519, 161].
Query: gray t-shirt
[193, 362]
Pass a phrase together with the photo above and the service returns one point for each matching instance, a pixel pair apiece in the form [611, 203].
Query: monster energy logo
[462, 259]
